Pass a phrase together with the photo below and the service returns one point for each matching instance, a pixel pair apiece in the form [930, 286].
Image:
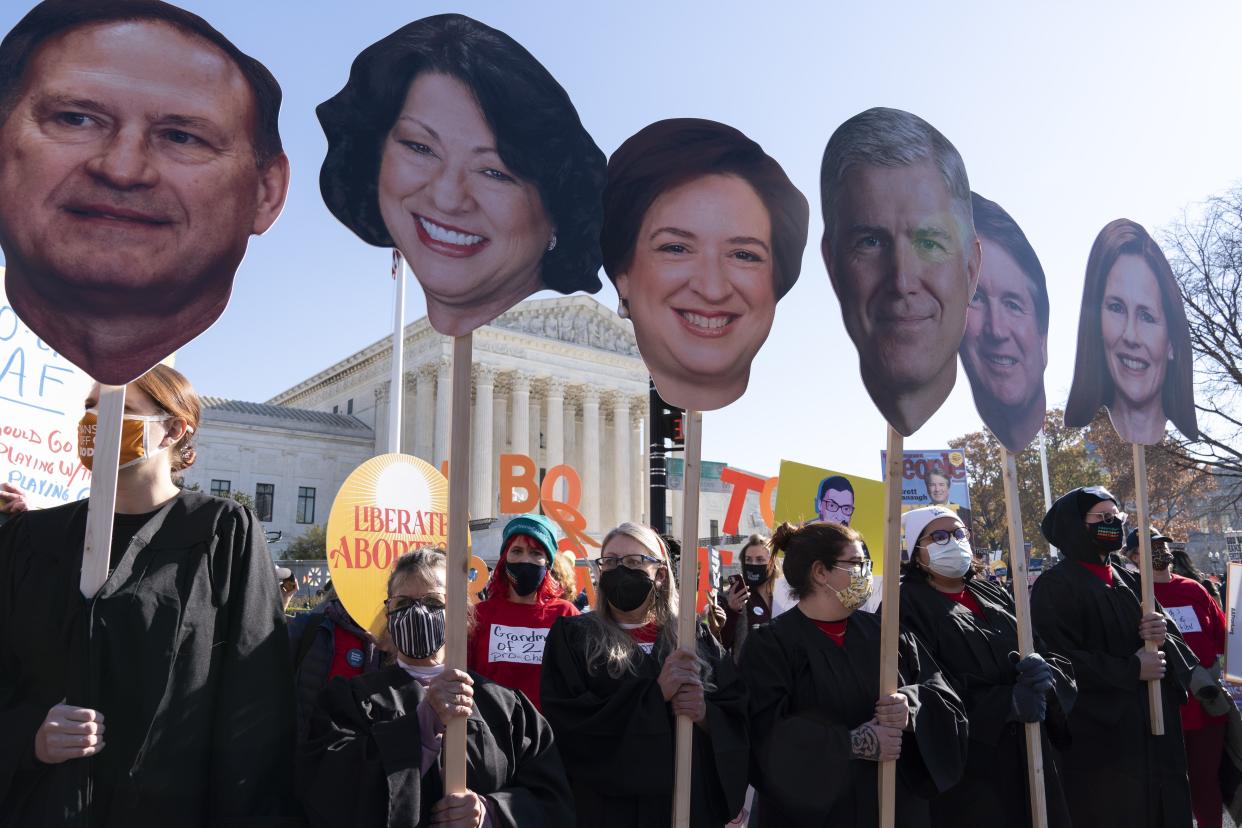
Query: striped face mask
[417, 630]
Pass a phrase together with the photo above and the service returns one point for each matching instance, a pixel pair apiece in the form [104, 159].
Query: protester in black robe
[819, 726]
[1115, 772]
[970, 628]
[167, 699]
[613, 683]
[374, 759]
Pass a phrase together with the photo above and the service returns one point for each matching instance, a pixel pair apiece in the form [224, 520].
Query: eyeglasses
[846, 509]
[854, 567]
[609, 563]
[399, 603]
[941, 536]
[1100, 517]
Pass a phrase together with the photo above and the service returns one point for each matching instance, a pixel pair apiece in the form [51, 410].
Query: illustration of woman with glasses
[374, 754]
[613, 681]
[834, 501]
[819, 726]
[969, 627]
[1090, 609]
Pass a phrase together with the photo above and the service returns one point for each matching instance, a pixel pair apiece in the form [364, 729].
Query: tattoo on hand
[864, 744]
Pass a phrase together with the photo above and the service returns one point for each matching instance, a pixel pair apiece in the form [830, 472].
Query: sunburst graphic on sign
[390, 505]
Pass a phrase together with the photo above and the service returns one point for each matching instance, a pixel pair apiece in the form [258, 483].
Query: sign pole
[105, 464]
[397, 382]
[688, 581]
[457, 578]
[1026, 639]
[890, 615]
[1155, 705]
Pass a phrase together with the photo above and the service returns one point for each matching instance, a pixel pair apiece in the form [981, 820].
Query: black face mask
[526, 576]
[754, 573]
[1107, 537]
[627, 588]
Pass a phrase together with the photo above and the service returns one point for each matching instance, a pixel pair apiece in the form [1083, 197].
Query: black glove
[1034, 673]
[1028, 705]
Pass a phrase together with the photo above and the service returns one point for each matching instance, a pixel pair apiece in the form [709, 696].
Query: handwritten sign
[41, 396]
[1184, 618]
[523, 645]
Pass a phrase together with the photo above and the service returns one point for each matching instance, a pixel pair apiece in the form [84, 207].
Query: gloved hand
[1205, 686]
[1028, 704]
[1034, 673]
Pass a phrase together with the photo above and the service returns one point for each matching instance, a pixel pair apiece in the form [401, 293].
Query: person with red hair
[523, 601]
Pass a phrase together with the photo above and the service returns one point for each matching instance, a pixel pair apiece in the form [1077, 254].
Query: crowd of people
[178, 694]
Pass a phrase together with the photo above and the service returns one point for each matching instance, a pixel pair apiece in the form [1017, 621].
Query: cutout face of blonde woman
[700, 289]
[473, 233]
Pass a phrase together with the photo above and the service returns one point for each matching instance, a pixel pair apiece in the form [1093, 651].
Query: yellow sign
[390, 505]
[807, 494]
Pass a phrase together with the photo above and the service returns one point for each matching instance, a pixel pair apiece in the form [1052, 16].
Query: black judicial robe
[617, 736]
[187, 660]
[973, 654]
[360, 766]
[1096, 627]
[807, 694]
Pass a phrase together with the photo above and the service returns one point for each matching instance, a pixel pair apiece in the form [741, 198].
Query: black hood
[1064, 528]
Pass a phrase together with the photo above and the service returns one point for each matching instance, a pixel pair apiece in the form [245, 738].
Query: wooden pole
[1155, 706]
[688, 582]
[890, 614]
[104, 467]
[396, 387]
[1026, 639]
[457, 580]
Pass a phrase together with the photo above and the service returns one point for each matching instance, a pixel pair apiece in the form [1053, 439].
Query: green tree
[311, 545]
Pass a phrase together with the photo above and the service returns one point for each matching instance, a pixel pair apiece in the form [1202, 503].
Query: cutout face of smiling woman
[703, 234]
[472, 231]
[1134, 353]
[700, 289]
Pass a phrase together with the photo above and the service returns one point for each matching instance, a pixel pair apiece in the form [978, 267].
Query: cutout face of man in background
[131, 180]
[1005, 348]
[901, 251]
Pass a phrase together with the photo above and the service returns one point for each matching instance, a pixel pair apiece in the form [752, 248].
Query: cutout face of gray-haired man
[129, 190]
[903, 258]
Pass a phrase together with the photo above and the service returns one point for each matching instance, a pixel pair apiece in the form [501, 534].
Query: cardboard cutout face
[1134, 354]
[1005, 348]
[703, 234]
[902, 254]
[131, 179]
[432, 150]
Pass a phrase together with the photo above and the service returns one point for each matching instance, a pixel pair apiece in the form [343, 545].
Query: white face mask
[950, 559]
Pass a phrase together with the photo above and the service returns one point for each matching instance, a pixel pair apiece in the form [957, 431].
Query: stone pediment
[577, 320]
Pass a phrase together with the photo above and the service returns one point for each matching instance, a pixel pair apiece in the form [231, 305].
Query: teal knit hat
[538, 527]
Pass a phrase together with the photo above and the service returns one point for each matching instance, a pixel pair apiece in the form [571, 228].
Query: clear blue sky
[1069, 115]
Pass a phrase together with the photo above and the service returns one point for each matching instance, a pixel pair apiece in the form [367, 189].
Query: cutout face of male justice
[703, 234]
[1005, 348]
[137, 157]
[901, 251]
[432, 149]
[1134, 354]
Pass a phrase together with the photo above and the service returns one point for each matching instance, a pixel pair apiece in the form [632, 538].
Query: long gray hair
[610, 647]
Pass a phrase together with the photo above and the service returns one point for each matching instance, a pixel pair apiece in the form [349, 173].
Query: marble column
[554, 430]
[500, 433]
[444, 411]
[638, 471]
[590, 458]
[482, 504]
[381, 419]
[424, 413]
[519, 404]
[409, 414]
[622, 508]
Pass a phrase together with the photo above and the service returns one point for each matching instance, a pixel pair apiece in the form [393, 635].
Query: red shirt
[1203, 628]
[645, 636]
[1102, 571]
[835, 630]
[967, 600]
[506, 645]
[349, 654]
